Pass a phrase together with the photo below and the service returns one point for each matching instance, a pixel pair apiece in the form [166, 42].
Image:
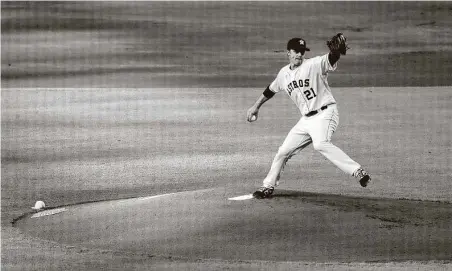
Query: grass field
[74, 141]
[107, 100]
[66, 146]
[219, 44]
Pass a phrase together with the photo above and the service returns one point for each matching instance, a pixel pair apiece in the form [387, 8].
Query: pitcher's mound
[291, 226]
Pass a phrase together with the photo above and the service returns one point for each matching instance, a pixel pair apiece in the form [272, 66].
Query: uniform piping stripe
[290, 156]
[299, 146]
[329, 126]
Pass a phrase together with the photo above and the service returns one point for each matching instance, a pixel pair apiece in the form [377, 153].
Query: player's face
[295, 57]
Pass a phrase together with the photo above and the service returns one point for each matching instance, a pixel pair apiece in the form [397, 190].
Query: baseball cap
[297, 44]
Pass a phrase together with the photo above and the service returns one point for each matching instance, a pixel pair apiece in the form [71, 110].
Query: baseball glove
[338, 44]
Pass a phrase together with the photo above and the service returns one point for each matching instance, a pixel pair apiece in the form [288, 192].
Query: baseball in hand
[253, 117]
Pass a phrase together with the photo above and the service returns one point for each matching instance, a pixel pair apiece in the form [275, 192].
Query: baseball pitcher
[305, 81]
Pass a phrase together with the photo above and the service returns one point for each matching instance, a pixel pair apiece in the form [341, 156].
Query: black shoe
[363, 176]
[264, 192]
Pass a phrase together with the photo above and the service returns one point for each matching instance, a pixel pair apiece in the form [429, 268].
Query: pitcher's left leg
[296, 140]
[321, 130]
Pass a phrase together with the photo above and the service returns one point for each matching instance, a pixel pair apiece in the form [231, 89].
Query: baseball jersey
[307, 85]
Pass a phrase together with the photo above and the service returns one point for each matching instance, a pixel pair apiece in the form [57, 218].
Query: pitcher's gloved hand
[338, 43]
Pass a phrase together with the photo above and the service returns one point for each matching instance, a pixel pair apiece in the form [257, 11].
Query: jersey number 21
[310, 93]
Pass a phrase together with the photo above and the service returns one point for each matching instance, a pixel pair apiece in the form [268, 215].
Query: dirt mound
[292, 226]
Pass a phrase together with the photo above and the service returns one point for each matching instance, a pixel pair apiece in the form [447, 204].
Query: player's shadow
[344, 203]
[297, 194]
[400, 211]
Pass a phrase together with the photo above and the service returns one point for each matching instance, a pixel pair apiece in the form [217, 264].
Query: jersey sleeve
[275, 85]
[325, 65]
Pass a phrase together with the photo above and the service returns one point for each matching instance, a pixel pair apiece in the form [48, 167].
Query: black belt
[312, 113]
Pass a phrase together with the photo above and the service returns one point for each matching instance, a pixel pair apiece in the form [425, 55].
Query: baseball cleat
[363, 176]
[264, 192]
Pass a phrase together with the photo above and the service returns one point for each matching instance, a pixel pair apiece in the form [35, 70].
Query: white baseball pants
[318, 130]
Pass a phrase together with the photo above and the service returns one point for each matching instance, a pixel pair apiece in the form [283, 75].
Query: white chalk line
[145, 198]
[60, 210]
[158, 196]
[49, 212]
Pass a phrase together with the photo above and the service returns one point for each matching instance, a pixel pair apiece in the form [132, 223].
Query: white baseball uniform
[307, 86]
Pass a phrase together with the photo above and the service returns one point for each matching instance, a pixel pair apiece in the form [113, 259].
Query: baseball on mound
[39, 205]
[253, 117]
